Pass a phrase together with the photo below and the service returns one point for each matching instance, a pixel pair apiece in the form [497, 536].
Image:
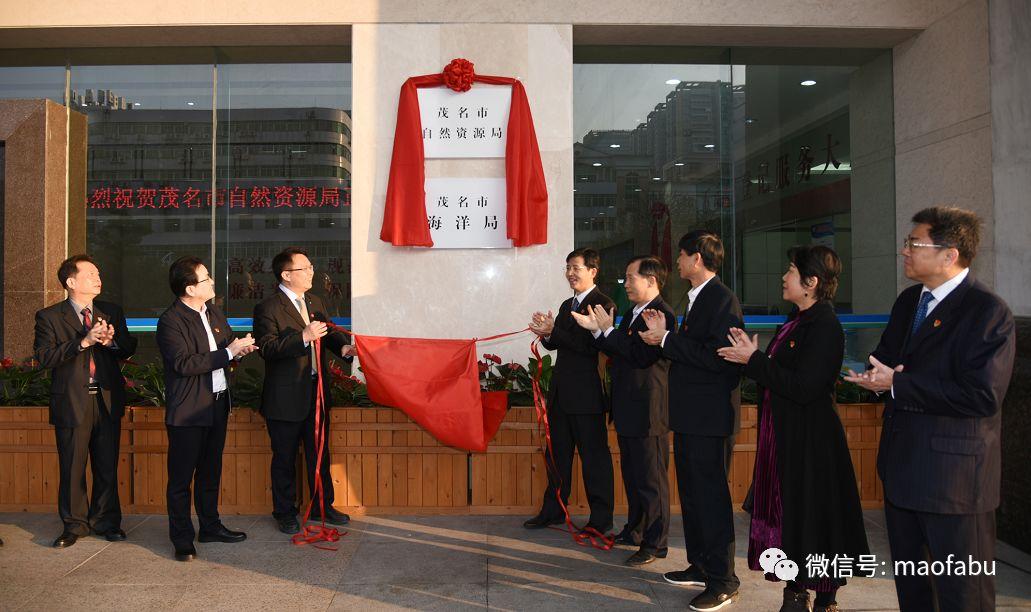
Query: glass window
[282, 164]
[147, 179]
[757, 145]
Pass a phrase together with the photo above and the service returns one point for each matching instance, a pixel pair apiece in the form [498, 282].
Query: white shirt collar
[693, 293]
[580, 296]
[638, 309]
[78, 307]
[290, 294]
[944, 289]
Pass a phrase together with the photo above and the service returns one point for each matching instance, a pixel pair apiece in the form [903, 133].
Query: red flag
[436, 383]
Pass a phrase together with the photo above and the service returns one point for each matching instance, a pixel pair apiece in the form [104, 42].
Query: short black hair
[70, 267]
[183, 273]
[590, 257]
[283, 259]
[651, 265]
[953, 227]
[707, 244]
[821, 262]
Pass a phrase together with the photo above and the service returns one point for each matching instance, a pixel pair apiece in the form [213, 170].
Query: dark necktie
[576, 305]
[921, 311]
[87, 323]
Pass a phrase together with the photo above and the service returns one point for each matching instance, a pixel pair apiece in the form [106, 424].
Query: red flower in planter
[490, 357]
[7, 363]
[130, 384]
[482, 366]
[458, 75]
[514, 367]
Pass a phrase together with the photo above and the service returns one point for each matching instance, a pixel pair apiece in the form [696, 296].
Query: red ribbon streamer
[588, 536]
[313, 534]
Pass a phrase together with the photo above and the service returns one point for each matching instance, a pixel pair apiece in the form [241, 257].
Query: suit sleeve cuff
[662, 344]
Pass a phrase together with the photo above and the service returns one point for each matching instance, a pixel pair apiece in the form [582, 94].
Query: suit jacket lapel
[291, 309]
[939, 316]
[703, 295]
[71, 317]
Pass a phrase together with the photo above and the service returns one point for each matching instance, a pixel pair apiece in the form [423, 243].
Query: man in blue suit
[944, 363]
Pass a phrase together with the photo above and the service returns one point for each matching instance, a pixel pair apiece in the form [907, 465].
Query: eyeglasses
[304, 269]
[577, 269]
[204, 280]
[909, 243]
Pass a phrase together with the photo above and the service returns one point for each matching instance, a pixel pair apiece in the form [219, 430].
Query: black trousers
[926, 536]
[643, 463]
[195, 456]
[96, 438]
[707, 511]
[285, 437]
[588, 434]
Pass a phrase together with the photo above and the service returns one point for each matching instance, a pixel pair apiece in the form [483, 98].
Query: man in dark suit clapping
[576, 399]
[196, 345]
[944, 363]
[80, 340]
[640, 407]
[286, 325]
[704, 413]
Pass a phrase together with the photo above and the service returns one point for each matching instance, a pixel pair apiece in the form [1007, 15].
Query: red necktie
[87, 322]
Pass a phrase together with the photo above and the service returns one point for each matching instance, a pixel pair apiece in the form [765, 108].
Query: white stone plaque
[467, 213]
[468, 124]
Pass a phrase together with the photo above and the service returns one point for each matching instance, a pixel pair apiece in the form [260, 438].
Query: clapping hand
[101, 333]
[878, 379]
[542, 324]
[597, 319]
[314, 331]
[656, 322]
[741, 346]
[241, 347]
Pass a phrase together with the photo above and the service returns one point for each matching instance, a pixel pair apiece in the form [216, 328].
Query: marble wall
[36, 221]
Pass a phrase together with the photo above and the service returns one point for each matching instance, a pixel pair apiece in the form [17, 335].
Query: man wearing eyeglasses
[576, 399]
[196, 345]
[286, 325]
[943, 364]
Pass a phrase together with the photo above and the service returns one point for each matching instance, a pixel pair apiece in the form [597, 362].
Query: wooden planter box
[382, 463]
[510, 477]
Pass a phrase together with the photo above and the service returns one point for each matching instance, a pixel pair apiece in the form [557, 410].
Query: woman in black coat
[805, 501]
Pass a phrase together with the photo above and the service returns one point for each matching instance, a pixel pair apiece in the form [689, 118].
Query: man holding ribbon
[290, 326]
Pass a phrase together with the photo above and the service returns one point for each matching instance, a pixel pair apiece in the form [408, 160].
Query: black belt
[94, 389]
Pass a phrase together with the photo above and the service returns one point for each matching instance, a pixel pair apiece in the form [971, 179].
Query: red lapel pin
[937, 322]
[791, 344]
[218, 331]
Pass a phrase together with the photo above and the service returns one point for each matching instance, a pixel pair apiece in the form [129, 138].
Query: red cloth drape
[404, 214]
[436, 383]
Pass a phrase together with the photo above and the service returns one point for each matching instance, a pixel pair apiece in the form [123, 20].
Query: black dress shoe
[626, 539]
[288, 525]
[333, 517]
[692, 576]
[540, 522]
[185, 553]
[113, 535]
[711, 599]
[644, 557]
[65, 540]
[221, 534]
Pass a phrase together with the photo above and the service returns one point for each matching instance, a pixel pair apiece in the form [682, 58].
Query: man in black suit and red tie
[944, 363]
[286, 325]
[576, 399]
[705, 415]
[196, 345]
[640, 407]
[80, 340]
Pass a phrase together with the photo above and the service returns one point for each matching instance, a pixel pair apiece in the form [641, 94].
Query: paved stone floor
[388, 562]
